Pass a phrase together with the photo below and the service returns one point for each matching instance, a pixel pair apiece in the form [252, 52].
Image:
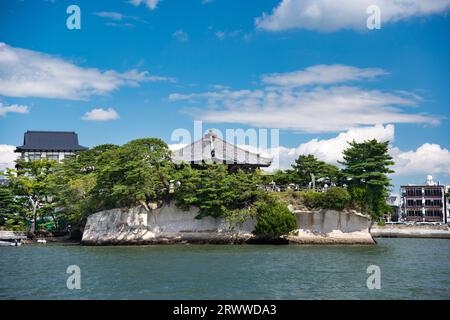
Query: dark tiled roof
[50, 141]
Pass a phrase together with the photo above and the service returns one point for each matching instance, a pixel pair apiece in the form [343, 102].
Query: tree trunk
[33, 226]
[55, 221]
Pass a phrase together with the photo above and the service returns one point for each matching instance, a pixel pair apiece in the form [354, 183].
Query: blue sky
[313, 71]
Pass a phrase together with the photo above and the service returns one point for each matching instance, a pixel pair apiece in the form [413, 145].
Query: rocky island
[170, 224]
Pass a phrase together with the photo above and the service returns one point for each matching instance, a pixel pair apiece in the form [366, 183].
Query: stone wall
[170, 224]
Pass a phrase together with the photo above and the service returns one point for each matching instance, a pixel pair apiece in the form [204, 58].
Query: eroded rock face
[332, 227]
[170, 224]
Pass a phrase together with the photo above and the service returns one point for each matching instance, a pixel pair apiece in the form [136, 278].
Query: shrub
[358, 196]
[273, 219]
[334, 198]
[14, 225]
[313, 199]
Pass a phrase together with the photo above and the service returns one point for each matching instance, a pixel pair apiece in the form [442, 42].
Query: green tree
[11, 213]
[307, 165]
[366, 169]
[274, 219]
[137, 172]
[74, 181]
[334, 198]
[283, 177]
[30, 182]
[216, 191]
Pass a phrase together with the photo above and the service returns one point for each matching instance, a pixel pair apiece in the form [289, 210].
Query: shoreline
[411, 231]
[170, 224]
[214, 238]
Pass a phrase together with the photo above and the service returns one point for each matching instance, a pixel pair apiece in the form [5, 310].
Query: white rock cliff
[170, 224]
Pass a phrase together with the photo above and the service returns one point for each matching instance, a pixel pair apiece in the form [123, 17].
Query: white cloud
[119, 19]
[7, 156]
[112, 15]
[322, 74]
[427, 159]
[14, 108]
[222, 35]
[120, 25]
[181, 35]
[151, 4]
[330, 150]
[100, 114]
[332, 15]
[26, 73]
[311, 110]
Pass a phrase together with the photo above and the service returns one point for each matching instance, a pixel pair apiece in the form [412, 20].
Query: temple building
[51, 145]
[424, 203]
[212, 149]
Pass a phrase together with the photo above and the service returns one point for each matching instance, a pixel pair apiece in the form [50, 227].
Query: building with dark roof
[52, 145]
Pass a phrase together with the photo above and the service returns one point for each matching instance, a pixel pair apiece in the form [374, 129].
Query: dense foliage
[307, 166]
[137, 172]
[77, 180]
[140, 173]
[32, 185]
[215, 190]
[334, 198]
[362, 183]
[274, 219]
[11, 213]
[366, 168]
[110, 176]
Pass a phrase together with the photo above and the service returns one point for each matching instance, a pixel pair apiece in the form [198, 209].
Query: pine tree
[366, 169]
[304, 166]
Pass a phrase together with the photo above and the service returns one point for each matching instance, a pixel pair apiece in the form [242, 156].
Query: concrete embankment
[411, 231]
[170, 224]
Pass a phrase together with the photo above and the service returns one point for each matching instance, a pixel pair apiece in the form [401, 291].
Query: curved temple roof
[213, 149]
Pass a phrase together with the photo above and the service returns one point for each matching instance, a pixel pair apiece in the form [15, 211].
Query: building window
[68, 154]
[413, 203]
[433, 192]
[53, 156]
[433, 203]
[414, 192]
[433, 213]
[34, 156]
[414, 213]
